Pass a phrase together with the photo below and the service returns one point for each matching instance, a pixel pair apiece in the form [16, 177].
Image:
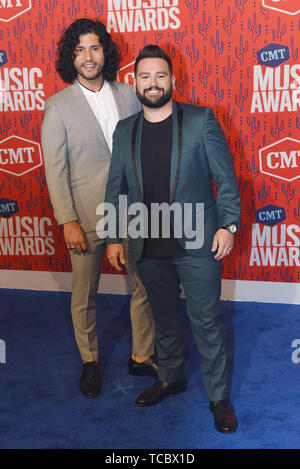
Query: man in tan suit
[77, 142]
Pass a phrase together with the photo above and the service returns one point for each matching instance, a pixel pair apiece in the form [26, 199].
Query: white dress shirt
[104, 107]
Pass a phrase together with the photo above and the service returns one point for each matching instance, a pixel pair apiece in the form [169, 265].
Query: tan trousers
[86, 267]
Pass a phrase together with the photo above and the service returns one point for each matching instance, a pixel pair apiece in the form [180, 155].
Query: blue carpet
[41, 406]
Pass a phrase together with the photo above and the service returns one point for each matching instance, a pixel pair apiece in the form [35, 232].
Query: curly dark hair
[70, 39]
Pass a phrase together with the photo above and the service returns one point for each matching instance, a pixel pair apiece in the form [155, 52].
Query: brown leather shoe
[225, 419]
[158, 392]
[146, 368]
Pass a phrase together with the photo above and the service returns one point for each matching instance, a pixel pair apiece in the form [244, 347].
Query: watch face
[232, 228]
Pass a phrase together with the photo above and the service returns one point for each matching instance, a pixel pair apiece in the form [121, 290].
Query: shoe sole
[177, 391]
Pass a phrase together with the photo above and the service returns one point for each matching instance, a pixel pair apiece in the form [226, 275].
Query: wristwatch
[231, 227]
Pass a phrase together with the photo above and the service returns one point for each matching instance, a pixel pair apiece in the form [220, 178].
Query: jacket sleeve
[55, 150]
[116, 186]
[222, 169]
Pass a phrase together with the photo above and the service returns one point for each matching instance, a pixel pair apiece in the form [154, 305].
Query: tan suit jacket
[76, 162]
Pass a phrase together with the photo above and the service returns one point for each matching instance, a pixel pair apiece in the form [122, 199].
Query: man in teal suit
[169, 154]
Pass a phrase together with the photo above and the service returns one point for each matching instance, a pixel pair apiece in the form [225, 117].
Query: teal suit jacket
[200, 154]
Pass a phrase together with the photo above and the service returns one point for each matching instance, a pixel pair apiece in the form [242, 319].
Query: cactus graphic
[179, 36]
[97, 7]
[203, 27]
[11, 54]
[5, 126]
[229, 21]
[240, 272]
[19, 30]
[41, 25]
[289, 194]
[253, 169]
[264, 193]
[294, 53]
[32, 203]
[254, 27]
[218, 94]
[250, 209]
[240, 5]
[280, 31]
[20, 186]
[73, 10]
[41, 179]
[285, 277]
[122, 46]
[217, 45]
[241, 97]
[229, 69]
[181, 81]
[275, 130]
[242, 185]
[229, 116]
[31, 47]
[192, 99]
[254, 124]
[193, 53]
[50, 7]
[240, 144]
[218, 3]
[193, 5]
[205, 73]
[241, 50]
[296, 211]
[25, 120]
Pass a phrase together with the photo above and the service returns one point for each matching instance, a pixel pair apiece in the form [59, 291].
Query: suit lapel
[177, 114]
[136, 138]
[176, 147]
[87, 112]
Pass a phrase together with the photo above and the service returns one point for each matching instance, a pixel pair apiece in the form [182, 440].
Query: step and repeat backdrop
[241, 57]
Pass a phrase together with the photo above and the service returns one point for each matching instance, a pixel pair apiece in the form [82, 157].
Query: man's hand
[115, 255]
[74, 236]
[223, 242]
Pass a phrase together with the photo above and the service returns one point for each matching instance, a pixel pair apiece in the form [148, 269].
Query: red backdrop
[240, 57]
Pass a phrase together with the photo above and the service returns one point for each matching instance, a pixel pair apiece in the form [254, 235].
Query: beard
[159, 101]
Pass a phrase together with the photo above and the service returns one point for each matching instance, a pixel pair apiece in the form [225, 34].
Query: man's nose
[88, 54]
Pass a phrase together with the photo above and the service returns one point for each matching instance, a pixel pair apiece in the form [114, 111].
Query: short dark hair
[151, 51]
[70, 39]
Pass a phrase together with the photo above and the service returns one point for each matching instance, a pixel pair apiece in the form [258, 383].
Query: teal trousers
[201, 281]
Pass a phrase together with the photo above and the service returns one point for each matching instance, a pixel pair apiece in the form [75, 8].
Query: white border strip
[232, 290]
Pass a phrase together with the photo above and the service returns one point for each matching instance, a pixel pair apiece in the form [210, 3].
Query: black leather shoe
[146, 368]
[158, 392]
[225, 419]
[90, 379]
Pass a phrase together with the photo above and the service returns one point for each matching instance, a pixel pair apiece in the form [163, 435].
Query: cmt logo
[19, 156]
[3, 58]
[270, 215]
[8, 208]
[126, 74]
[10, 9]
[281, 159]
[291, 7]
[273, 55]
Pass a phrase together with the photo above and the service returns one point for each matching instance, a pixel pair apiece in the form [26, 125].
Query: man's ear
[173, 82]
[134, 84]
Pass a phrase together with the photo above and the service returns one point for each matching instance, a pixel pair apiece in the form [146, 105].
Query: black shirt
[156, 151]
